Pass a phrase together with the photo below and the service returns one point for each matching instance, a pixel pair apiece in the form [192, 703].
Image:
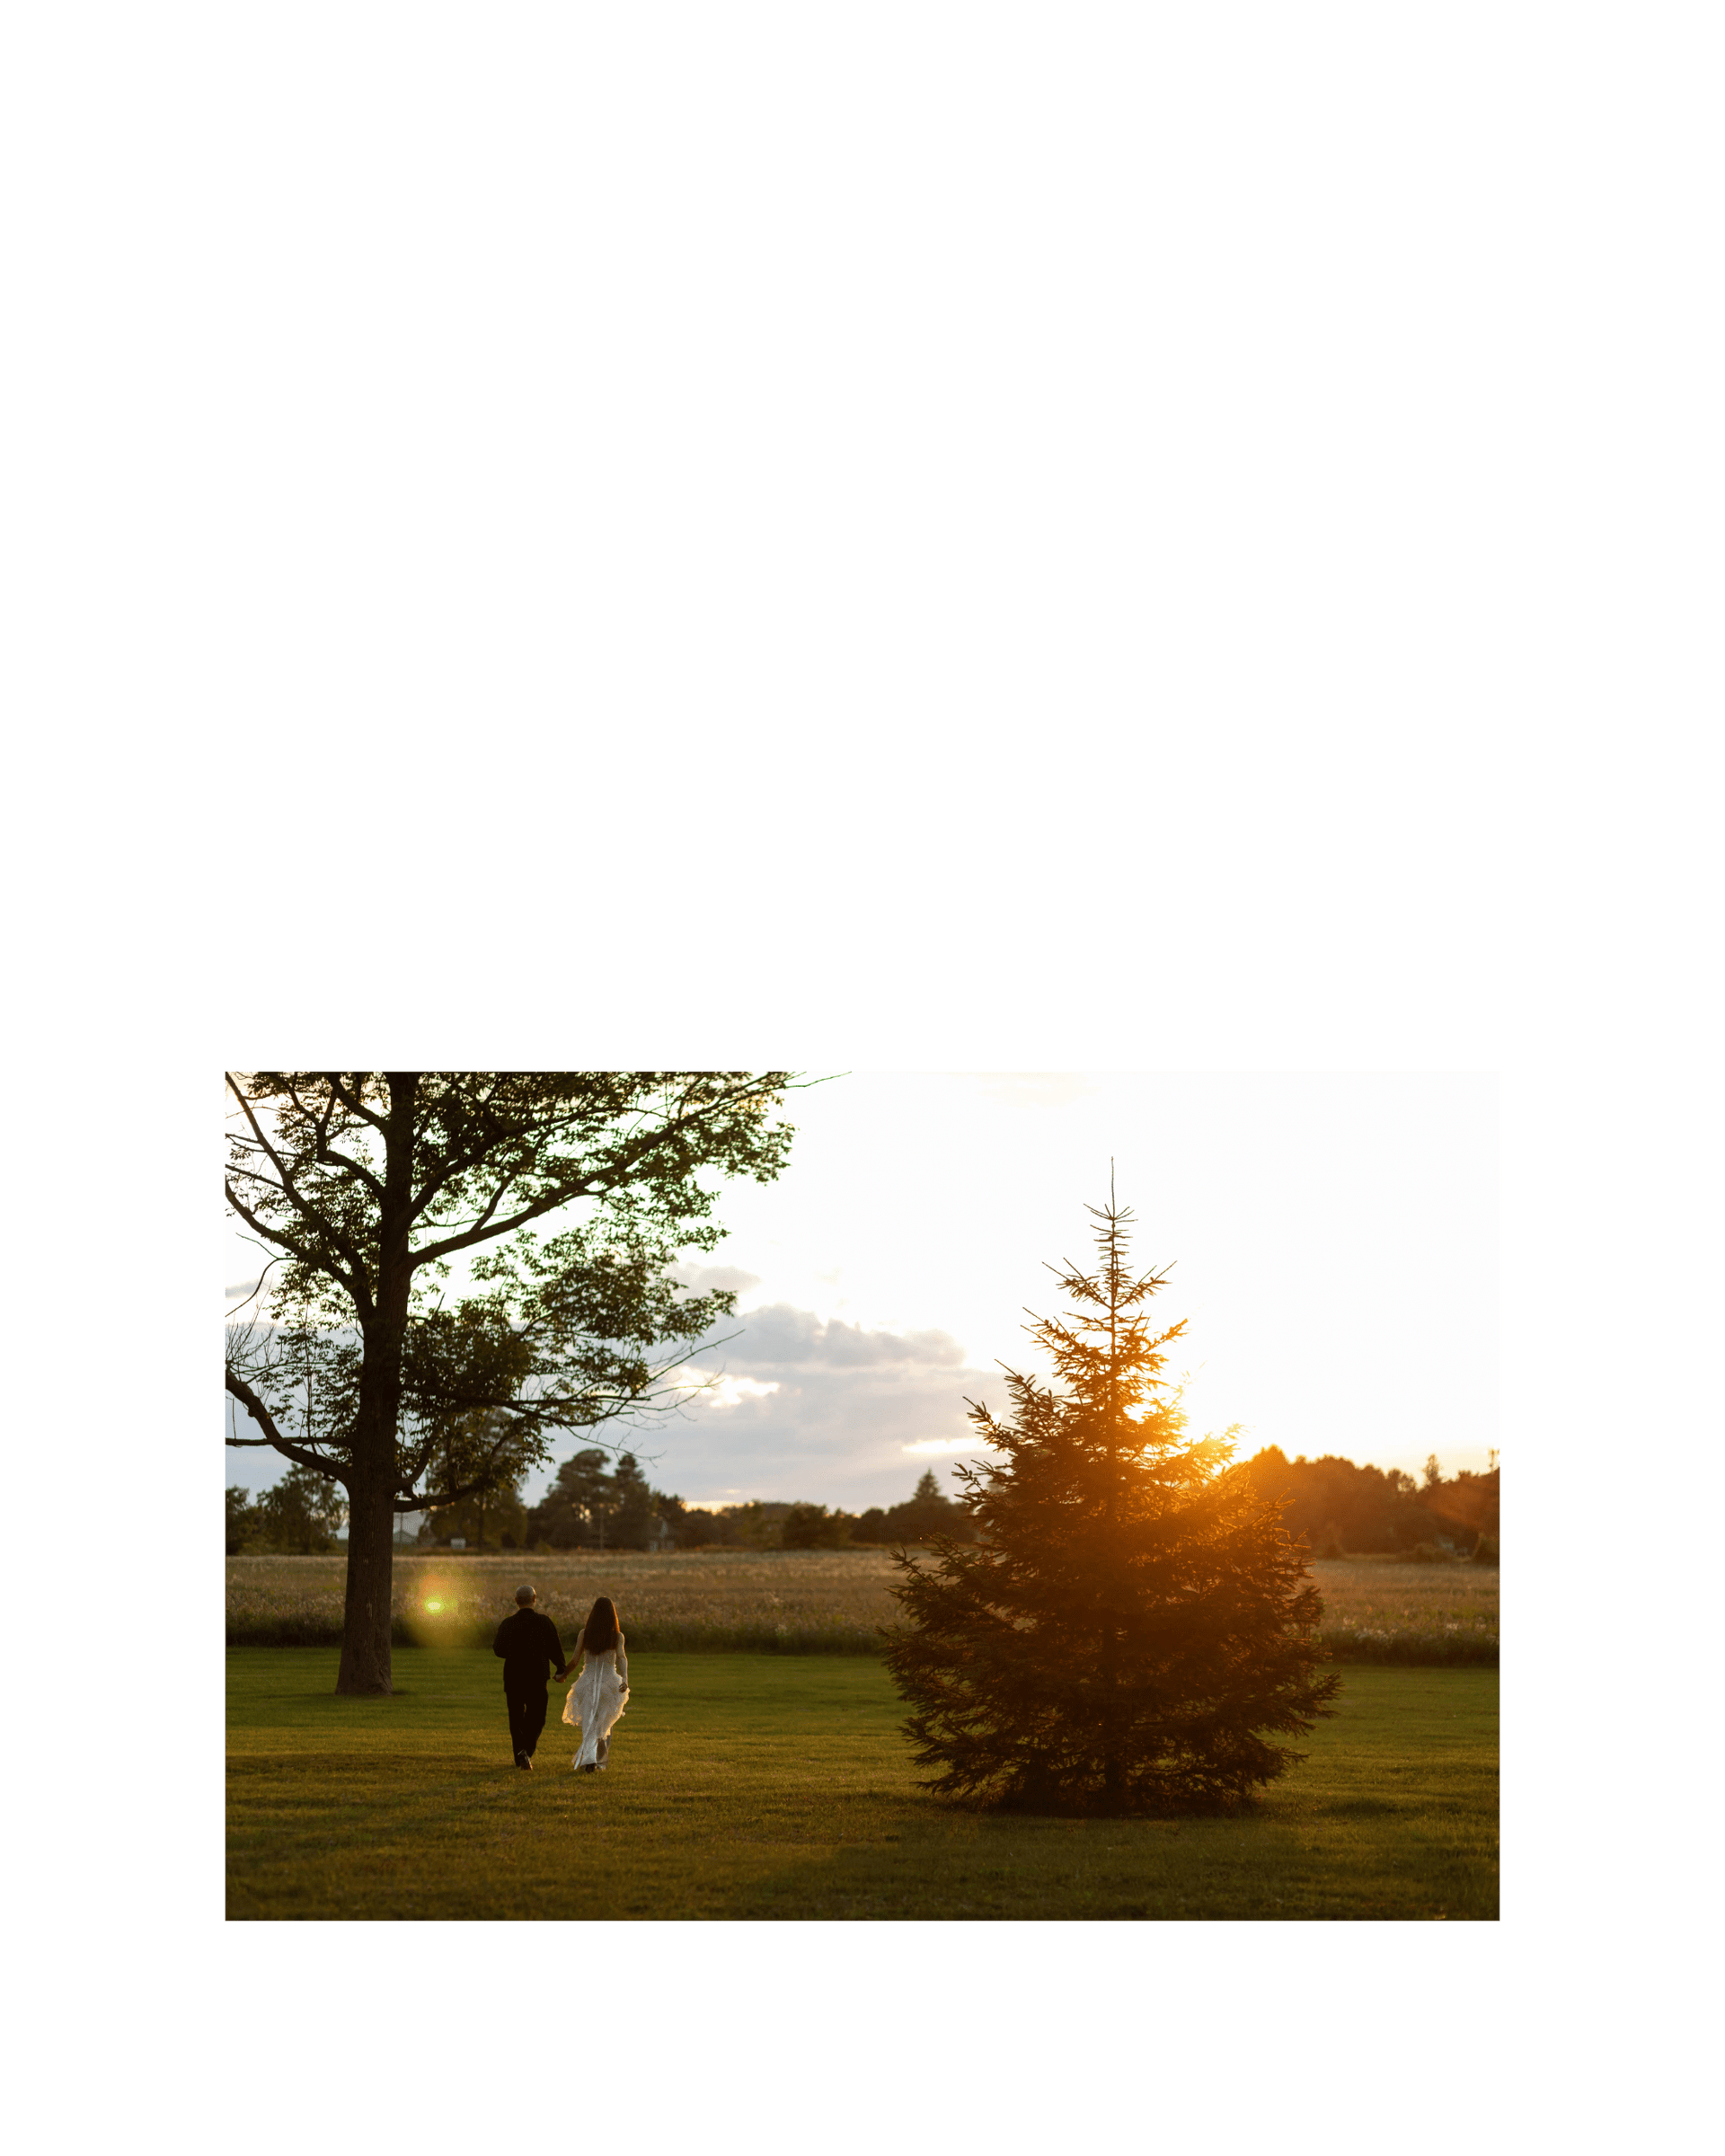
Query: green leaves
[565, 1196]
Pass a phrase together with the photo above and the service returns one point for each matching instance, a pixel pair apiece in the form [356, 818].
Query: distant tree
[242, 1523]
[928, 1513]
[568, 1515]
[759, 1524]
[488, 1452]
[568, 1195]
[302, 1515]
[1433, 1473]
[494, 1519]
[1137, 1628]
[693, 1526]
[689, 1526]
[813, 1527]
[636, 1513]
[727, 1526]
[1330, 1501]
[592, 1506]
[924, 1514]
[1465, 1507]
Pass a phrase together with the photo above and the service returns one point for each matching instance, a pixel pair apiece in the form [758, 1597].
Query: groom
[527, 1643]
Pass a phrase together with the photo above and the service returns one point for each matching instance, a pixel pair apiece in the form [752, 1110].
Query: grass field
[796, 1601]
[777, 1785]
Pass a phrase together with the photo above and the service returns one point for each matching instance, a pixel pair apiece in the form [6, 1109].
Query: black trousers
[526, 1705]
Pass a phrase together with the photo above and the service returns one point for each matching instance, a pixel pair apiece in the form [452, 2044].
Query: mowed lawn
[778, 1786]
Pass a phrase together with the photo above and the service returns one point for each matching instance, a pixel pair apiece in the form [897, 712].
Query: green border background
[902, 535]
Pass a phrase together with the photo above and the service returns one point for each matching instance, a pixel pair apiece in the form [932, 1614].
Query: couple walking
[529, 1649]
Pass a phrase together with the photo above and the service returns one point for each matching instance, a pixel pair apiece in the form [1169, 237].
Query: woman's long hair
[601, 1631]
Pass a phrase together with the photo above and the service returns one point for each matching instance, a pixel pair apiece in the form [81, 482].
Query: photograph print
[812, 1495]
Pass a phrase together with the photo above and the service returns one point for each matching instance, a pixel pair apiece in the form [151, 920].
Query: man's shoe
[521, 1760]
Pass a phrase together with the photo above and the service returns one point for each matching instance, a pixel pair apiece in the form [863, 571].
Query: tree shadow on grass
[1355, 1859]
[918, 1860]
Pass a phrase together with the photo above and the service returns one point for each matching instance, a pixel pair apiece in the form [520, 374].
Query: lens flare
[433, 1604]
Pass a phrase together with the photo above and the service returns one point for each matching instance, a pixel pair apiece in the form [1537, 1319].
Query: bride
[599, 1696]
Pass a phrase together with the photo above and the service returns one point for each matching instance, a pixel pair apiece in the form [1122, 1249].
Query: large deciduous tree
[1136, 1628]
[465, 1263]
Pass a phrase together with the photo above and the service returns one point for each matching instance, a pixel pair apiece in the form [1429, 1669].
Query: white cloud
[704, 1279]
[726, 1392]
[946, 1444]
[779, 1334]
[829, 1435]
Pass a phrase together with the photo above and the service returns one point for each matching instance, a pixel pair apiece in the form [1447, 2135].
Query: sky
[1332, 1240]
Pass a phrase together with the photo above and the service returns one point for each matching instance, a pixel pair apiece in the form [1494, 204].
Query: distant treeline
[299, 1517]
[924, 1512]
[592, 1505]
[1337, 1507]
[1333, 1506]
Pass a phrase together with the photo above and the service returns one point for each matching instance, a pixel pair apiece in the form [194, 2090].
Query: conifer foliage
[1135, 1631]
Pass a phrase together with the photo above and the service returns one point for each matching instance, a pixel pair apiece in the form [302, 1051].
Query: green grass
[774, 1786]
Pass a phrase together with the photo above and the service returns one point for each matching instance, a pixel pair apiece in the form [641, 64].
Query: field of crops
[1379, 1609]
[790, 1600]
[793, 1602]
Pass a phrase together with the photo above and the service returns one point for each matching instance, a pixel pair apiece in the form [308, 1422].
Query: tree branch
[420, 1501]
[348, 1250]
[607, 1179]
[259, 1414]
[458, 1164]
[476, 1233]
[616, 1172]
[326, 1152]
[352, 1102]
[357, 1290]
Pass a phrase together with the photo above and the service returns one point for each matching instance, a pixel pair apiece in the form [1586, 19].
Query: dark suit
[530, 1649]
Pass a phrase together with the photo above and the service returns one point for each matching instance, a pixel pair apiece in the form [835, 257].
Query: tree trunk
[1112, 1778]
[1113, 1781]
[365, 1666]
[365, 1625]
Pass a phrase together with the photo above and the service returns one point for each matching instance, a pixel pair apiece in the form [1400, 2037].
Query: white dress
[595, 1702]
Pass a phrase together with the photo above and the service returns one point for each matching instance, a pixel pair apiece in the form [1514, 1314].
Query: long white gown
[596, 1700]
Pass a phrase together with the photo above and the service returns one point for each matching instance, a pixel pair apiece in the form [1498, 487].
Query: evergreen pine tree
[1134, 1628]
